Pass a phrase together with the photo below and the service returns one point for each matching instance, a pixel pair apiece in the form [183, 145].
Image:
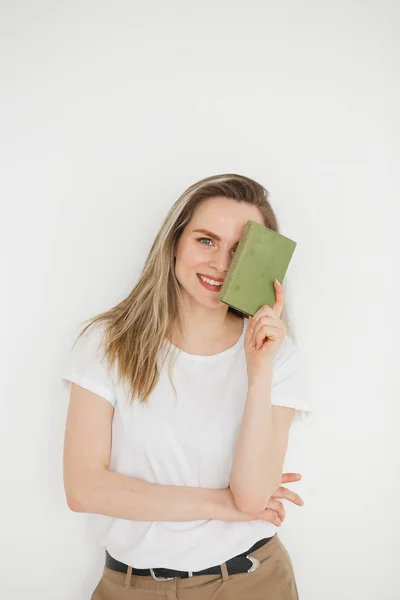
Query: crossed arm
[258, 463]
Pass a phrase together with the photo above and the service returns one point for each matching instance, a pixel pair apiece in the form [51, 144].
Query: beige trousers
[273, 580]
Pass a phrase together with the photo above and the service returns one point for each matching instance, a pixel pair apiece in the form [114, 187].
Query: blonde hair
[135, 329]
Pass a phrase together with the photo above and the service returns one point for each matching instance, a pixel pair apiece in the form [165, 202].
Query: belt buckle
[154, 576]
[255, 563]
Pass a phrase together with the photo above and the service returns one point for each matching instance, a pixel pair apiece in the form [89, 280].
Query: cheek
[186, 268]
[190, 260]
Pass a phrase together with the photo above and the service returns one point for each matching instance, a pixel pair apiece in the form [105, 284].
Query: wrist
[261, 379]
[221, 499]
[226, 509]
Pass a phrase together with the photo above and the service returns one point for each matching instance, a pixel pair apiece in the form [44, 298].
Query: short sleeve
[86, 365]
[288, 386]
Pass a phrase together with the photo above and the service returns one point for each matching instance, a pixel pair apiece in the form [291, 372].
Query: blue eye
[210, 240]
[200, 239]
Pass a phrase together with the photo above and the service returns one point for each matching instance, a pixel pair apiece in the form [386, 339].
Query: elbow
[252, 506]
[75, 506]
[81, 494]
[75, 502]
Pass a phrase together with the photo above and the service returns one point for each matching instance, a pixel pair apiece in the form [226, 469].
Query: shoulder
[90, 343]
[92, 335]
[87, 363]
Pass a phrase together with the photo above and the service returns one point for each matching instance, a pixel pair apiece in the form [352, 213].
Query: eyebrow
[209, 233]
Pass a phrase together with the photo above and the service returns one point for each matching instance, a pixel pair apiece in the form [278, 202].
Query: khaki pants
[273, 580]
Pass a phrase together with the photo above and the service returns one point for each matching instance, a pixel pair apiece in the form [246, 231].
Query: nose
[220, 261]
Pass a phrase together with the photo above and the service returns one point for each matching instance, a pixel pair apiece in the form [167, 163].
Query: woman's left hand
[267, 332]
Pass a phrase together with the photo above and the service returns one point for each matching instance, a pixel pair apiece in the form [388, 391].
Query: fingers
[287, 494]
[271, 311]
[277, 507]
[279, 297]
[276, 511]
[288, 477]
[266, 327]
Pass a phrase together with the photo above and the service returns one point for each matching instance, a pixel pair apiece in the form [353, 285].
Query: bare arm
[127, 497]
[257, 466]
[116, 495]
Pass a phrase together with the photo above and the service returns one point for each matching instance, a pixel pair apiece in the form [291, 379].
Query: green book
[261, 256]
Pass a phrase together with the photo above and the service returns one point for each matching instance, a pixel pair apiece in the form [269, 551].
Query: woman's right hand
[275, 505]
[274, 512]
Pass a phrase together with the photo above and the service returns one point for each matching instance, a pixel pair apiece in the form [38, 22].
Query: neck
[202, 325]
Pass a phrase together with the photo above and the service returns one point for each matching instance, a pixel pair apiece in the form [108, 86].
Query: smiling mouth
[210, 281]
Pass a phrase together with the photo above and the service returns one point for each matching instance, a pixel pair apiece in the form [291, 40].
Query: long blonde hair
[135, 329]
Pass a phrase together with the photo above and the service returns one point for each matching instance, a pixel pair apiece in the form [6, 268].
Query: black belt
[238, 564]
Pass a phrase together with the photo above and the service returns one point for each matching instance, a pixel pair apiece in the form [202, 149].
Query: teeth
[210, 281]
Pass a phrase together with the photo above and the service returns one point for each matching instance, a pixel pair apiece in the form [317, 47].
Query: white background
[109, 111]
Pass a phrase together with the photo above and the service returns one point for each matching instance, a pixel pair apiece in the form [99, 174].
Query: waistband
[237, 564]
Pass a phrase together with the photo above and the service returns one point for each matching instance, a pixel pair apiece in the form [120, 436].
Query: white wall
[109, 110]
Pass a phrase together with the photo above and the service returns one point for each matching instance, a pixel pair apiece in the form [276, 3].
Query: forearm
[255, 473]
[116, 495]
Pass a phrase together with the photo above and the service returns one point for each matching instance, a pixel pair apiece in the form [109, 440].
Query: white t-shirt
[189, 443]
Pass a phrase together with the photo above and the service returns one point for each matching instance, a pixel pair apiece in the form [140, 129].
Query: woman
[182, 467]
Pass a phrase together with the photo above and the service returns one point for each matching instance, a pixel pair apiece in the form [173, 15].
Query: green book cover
[261, 256]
